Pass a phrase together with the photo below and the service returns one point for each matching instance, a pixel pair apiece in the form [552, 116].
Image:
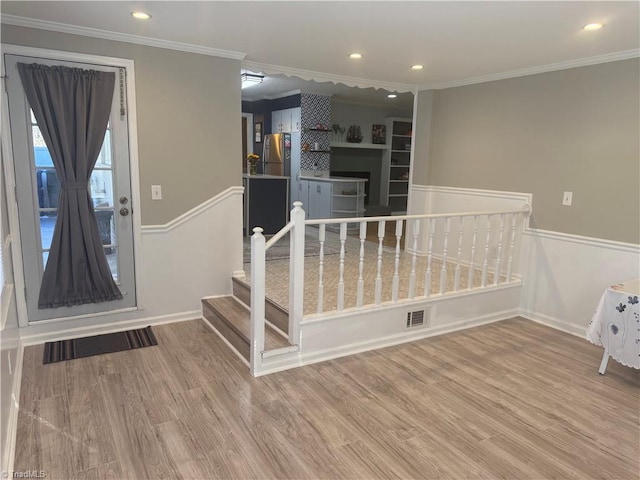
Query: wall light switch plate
[156, 192]
[567, 198]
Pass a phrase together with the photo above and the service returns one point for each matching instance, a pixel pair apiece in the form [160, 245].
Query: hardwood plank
[238, 340]
[507, 400]
[237, 318]
[106, 471]
[273, 312]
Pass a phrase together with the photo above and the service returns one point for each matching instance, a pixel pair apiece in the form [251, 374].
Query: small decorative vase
[253, 169]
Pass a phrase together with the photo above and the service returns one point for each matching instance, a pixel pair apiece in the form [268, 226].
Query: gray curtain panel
[72, 107]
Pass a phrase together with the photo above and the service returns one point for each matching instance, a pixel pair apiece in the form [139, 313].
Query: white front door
[37, 189]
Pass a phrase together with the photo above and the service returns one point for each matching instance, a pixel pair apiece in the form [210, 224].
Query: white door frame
[12, 206]
[249, 117]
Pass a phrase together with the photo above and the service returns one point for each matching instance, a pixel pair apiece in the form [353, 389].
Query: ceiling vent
[418, 318]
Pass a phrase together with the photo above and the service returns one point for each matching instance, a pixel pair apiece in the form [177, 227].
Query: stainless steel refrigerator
[276, 154]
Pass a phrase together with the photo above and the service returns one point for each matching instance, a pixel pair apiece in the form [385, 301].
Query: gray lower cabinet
[316, 198]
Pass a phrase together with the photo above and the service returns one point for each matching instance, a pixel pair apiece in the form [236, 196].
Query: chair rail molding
[194, 212]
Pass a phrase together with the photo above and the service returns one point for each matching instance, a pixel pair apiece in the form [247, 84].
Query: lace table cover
[616, 323]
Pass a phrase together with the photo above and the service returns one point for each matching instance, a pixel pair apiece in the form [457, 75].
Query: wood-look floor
[508, 400]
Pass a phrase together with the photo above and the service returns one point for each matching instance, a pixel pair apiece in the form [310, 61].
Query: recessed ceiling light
[392, 95]
[592, 26]
[355, 56]
[140, 15]
[416, 67]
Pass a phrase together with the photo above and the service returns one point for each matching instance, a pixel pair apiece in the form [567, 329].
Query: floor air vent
[416, 319]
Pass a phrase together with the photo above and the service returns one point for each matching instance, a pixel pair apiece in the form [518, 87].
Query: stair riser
[238, 341]
[273, 312]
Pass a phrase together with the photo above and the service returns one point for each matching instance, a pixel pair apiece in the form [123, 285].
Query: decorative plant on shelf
[338, 131]
[252, 161]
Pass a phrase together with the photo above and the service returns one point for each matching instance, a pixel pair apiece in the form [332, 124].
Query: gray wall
[572, 130]
[188, 110]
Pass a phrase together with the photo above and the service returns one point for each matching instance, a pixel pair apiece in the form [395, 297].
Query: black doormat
[97, 345]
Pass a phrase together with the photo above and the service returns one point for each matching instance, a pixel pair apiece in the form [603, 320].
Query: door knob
[124, 211]
[124, 200]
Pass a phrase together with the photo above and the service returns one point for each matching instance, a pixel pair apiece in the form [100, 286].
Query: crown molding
[327, 77]
[118, 37]
[551, 67]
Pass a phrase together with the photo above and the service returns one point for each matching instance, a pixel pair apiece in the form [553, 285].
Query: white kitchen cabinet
[286, 121]
[319, 199]
[333, 198]
[303, 195]
[276, 121]
[296, 120]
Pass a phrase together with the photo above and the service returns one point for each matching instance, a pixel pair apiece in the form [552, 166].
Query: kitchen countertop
[260, 176]
[333, 179]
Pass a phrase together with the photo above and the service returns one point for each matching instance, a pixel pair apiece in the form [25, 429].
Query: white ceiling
[453, 40]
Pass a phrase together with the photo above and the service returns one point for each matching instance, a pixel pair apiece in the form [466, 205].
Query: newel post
[258, 279]
[296, 272]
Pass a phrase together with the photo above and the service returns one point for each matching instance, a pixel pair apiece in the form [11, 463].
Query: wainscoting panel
[563, 275]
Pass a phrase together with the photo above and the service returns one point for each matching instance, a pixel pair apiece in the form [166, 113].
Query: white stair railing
[259, 247]
[258, 270]
[447, 256]
[296, 272]
[435, 249]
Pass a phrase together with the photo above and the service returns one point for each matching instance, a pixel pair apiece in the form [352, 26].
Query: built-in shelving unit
[333, 197]
[397, 164]
[316, 142]
[365, 146]
[347, 200]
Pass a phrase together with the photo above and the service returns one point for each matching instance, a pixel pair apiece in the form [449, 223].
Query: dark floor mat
[97, 345]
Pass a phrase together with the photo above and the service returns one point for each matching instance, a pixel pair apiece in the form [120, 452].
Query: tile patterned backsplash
[315, 109]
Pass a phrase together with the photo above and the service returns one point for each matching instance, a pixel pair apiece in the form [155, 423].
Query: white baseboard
[12, 424]
[562, 325]
[89, 330]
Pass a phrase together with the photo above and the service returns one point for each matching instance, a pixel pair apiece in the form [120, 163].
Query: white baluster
[363, 237]
[396, 277]
[456, 280]
[381, 232]
[258, 278]
[296, 272]
[443, 270]
[487, 244]
[343, 238]
[512, 243]
[321, 239]
[496, 276]
[412, 276]
[428, 273]
[473, 253]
